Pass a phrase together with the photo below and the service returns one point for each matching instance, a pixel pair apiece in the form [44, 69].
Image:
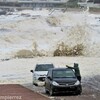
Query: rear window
[63, 74]
[44, 67]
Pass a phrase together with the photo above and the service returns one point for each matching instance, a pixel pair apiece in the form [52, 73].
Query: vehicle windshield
[43, 67]
[63, 74]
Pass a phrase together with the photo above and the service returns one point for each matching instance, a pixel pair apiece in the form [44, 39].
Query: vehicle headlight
[55, 83]
[77, 83]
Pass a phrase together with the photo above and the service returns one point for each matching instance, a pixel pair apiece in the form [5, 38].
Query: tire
[51, 92]
[79, 91]
[46, 91]
[35, 84]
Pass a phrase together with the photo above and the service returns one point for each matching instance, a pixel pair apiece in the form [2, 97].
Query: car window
[63, 74]
[49, 73]
[44, 67]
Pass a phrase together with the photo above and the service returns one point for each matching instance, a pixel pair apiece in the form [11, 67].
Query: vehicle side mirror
[31, 71]
[49, 77]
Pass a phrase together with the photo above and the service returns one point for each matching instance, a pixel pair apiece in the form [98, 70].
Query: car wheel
[51, 92]
[46, 91]
[79, 91]
[35, 84]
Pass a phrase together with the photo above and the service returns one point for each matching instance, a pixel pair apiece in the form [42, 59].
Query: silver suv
[40, 72]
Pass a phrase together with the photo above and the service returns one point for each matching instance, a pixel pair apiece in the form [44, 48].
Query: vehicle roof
[44, 64]
[60, 69]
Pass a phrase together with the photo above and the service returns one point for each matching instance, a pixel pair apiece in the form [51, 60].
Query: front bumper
[39, 81]
[72, 88]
